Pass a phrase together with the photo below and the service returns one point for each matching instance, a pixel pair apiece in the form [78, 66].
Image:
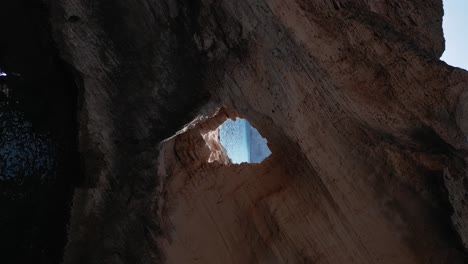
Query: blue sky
[455, 26]
[233, 136]
[243, 142]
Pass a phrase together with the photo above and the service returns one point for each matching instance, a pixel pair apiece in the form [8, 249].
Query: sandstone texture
[367, 129]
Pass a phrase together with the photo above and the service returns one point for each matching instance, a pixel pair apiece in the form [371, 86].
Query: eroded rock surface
[361, 116]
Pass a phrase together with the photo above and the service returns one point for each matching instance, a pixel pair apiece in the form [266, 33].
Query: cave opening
[243, 142]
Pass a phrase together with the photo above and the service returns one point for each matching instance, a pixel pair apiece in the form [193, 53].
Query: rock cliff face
[367, 129]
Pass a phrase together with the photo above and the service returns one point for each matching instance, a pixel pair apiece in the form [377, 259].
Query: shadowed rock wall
[365, 124]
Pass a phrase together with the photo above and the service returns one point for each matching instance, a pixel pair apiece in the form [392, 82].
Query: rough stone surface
[362, 118]
[458, 196]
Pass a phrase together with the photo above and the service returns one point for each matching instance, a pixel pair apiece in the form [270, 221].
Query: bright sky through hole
[243, 142]
[455, 24]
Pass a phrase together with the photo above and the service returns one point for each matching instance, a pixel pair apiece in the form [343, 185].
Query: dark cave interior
[39, 112]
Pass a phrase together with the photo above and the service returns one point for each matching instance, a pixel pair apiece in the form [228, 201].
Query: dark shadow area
[38, 140]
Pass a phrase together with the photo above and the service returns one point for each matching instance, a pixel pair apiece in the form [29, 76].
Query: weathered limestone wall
[360, 114]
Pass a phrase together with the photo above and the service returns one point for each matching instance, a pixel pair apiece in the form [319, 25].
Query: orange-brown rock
[366, 127]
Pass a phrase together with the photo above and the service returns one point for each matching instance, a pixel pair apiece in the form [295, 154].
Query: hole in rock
[243, 143]
[455, 33]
